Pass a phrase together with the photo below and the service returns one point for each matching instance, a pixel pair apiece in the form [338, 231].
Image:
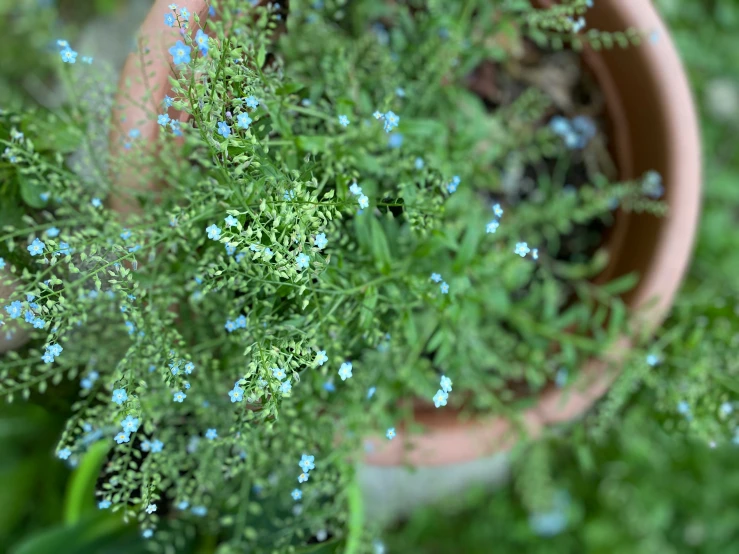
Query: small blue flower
[179, 396]
[2, 263]
[391, 121]
[440, 398]
[36, 247]
[727, 408]
[297, 494]
[122, 437]
[183, 505]
[68, 55]
[96, 202]
[147, 533]
[119, 396]
[329, 386]
[345, 371]
[522, 249]
[14, 309]
[184, 14]
[303, 261]
[236, 394]
[163, 119]
[55, 349]
[52, 232]
[286, 387]
[199, 510]
[214, 232]
[492, 227]
[64, 453]
[371, 392]
[419, 163]
[395, 140]
[497, 210]
[252, 102]
[180, 53]
[230, 326]
[560, 379]
[444, 288]
[130, 424]
[201, 39]
[321, 358]
[355, 189]
[64, 249]
[278, 373]
[169, 20]
[189, 368]
[343, 121]
[307, 462]
[243, 120]
[223, 129]
[151, 508]
[653, 359]
[168, 102]
[453, 185]
[230, 249]
[400, 92]
[145, 446]
[211, 434]
[436, 278]
[104, 504]
[363, 202]
[446, 384]
[390, 434]
[303, 477]
[320, 241]
[241, 322]
[683, 407]
[126, 234]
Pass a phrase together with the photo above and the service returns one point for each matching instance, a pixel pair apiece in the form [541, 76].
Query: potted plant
[321, 215]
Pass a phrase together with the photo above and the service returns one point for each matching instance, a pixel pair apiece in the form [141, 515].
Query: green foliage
[139, 302]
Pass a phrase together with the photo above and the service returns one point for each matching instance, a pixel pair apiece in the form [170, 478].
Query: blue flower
[436, 278]
[169, 20]
[296, 494]
[145, 446]
[444, 288]
[278, 373]
[230, 249]
[419, 163]
[303, 477]
[64, 453]
[286, 387]
[163, 119]
[303, 261]
[440, 398]
[96, 203]
[727, 408]
[400, 92]
[122, 437]
[683, 407]
[320, 241]
[179, 396]
[55, 349]
[36, 247]
[321, 358]
[452, 187]
[446, 384]
[52, 232]
[199, 510]
[68, 55]
[343, 121]
[168, 102]
[236, 394]
[126, 234]
[130, 424]
[104, 504]
[653, 359]
[183, 505]
[363, 202]
[345, 371]
[390, 434]
[243, 120]
[241, 322]
[230, 326]
[395, 140]
[377, 115]
[652, 184]
[391, 121]
[189, 368]
[252, 102]
[119, 396]
[223, 129]
[147, 533]
[184, 14]
[211, 434]
[180, 53]
[371, 392]
[522, 249]
[202, 41]
[2, 263]
[553, 521]
[14, 309]
[64, 249]
[306, 462]
[497, 210]
[492, 226]
[329, 386]
[355, 189]
[151, 508]
[214, 232]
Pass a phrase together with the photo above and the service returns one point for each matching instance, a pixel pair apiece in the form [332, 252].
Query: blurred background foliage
[637, 490]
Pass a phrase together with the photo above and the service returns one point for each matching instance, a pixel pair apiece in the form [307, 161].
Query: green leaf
[81, 488]
[31, 191]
